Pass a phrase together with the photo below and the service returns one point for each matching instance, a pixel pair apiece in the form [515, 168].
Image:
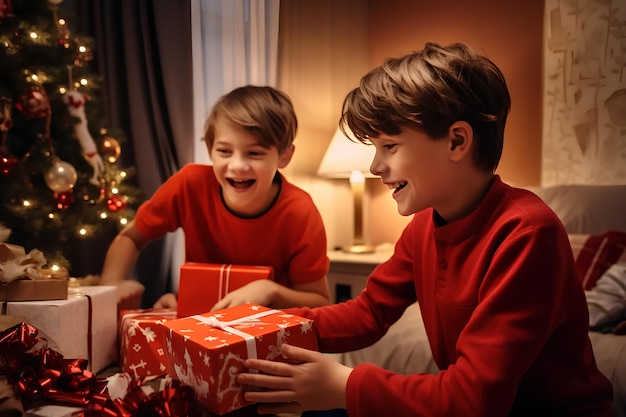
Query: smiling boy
[490, 265]
[241, 210]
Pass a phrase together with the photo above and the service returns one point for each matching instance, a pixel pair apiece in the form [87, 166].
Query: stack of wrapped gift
[201, 285]
[207, 351]
[79, 323]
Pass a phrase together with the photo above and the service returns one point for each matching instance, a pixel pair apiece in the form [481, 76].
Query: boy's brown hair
[429, 90]
[265, 112]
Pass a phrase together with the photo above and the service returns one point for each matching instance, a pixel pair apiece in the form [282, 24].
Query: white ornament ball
[61, 176]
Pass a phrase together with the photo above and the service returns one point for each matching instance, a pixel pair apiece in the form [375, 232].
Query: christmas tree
[59, 174]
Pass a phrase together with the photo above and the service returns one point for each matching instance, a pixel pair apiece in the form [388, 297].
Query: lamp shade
[344, 156]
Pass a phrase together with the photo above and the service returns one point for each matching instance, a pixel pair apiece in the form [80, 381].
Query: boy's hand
[259, 292]
[317, 382]
[166, 301]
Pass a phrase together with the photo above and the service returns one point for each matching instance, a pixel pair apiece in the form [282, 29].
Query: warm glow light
[62, 22]
[83, 81]
[62, 90]
[114, 190]
[33, 35]
[344, 156]
[34, 77]
[82, 48]
[26, 203]
[55, 267]
[82, 232]
[51, 215]
[356, 177]
[123, 174]
[123, 221]
[103, 215]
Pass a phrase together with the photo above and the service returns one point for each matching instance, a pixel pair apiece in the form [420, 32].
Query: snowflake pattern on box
[207, 351]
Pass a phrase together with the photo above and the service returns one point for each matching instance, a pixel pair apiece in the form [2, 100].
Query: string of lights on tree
[59, 174]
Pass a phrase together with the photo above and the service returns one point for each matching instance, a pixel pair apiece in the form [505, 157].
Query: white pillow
[607, 300]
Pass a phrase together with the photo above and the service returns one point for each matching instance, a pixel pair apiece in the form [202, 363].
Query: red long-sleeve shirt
[503, 308]
[289, 236]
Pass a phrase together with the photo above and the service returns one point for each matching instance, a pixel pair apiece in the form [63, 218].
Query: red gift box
[201, 285]
[141, 350]
[207, 351]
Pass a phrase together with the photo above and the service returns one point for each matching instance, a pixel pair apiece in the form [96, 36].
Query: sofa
[595, 219]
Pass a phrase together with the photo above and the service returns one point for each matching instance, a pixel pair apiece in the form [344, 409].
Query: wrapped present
[207, 351]
[34, 290]
[84, 326]
[23, 276]
[201, 285]
[142, 354]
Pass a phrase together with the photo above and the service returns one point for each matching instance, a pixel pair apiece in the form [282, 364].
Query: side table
[348, 272]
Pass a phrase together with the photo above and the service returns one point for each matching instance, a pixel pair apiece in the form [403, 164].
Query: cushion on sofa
[597, 254]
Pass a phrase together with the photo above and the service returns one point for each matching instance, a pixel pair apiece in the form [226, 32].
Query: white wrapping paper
[65, 323]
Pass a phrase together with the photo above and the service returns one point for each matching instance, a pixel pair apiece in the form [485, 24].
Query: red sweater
[290, 236]
[503, 308]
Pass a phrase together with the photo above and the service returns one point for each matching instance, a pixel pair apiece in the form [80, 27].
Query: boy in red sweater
[490, 265]
[239, 210]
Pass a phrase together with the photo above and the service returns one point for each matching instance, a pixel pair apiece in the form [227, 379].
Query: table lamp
[346, 158]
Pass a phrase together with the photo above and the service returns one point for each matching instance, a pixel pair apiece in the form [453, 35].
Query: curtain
[235, 42]
[143, 52]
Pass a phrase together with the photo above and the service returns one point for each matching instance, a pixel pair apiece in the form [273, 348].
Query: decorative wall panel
[584, 122]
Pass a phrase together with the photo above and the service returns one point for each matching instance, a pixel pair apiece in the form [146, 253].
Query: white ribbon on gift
[227, 327]
[224, 276]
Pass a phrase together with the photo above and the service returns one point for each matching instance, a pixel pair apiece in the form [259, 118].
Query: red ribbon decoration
[40, 374]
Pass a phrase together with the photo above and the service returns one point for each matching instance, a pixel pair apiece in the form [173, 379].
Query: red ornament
[115, 203]
[65, 199]
[5, 9]
[35, 103]
[7, 163]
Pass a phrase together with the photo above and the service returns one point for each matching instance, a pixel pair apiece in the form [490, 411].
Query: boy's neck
[471, 192]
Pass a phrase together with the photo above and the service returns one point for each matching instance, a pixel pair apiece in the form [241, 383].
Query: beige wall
[326, 46]
[584, 128]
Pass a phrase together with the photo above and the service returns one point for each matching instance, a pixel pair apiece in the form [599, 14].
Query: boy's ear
[460, 137]
[285, 157]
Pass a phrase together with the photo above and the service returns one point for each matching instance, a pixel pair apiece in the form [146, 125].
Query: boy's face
[244, 169]
[417, 169]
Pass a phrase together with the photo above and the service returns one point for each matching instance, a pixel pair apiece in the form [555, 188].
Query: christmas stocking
[75, 101]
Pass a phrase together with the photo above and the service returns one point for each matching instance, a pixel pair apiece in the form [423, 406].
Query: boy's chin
[405, 209]
[405, 212]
